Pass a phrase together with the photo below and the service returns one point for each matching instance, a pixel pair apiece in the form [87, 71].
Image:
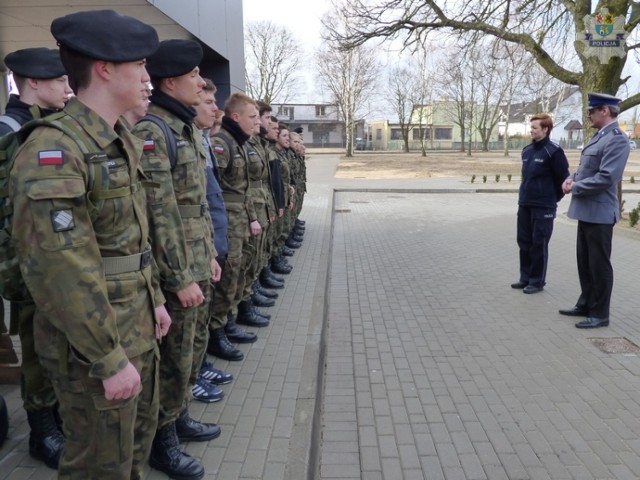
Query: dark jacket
[544, 168]
[19, 111]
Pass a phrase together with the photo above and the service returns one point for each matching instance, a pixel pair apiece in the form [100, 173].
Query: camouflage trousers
[229, 290]
[36, 388]
[106, 439]
[177, 349]
[254, 253]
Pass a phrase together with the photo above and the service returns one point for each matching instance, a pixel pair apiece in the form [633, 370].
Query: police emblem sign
[604, 36]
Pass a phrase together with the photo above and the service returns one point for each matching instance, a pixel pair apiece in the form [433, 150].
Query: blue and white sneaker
[205, 392]
[213, 375]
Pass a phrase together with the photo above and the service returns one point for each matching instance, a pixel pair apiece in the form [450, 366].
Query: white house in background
[320, 122]
[566, 109]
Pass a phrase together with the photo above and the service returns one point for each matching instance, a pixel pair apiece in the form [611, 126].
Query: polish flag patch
[50, 157]
[149, 145]
[218, 149]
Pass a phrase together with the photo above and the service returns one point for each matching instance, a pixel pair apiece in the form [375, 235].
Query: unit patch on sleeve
[50, 157]
[149, 145]
[218, 149]
[62, 220]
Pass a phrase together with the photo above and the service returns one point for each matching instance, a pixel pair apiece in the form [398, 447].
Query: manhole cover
[615, 345]
[342, 210]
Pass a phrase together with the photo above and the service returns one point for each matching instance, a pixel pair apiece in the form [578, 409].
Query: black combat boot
[287, 252]
[260, 300]
[46, 441]
[235, 334]
[280, 265]
[292, 244]
[300, 222]
[296, 237]
[190, 430]
[264, 291]
[219, 346]
[267, 280]
[258, 313]
[168, 457]
[247, 316]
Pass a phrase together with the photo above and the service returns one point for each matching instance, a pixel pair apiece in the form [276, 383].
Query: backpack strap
[11, 122]
[169, 136]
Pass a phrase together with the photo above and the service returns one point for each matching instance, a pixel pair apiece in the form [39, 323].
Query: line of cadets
[222, 211]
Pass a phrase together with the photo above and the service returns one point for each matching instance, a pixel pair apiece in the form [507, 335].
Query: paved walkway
[398, 351]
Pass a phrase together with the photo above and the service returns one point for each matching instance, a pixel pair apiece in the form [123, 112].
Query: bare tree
[421, 94]
[272, 62]
[349, 75]
[540, 26]
[402, 84]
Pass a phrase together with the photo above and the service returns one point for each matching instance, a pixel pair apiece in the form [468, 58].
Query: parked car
[361, 144]
[632, 144]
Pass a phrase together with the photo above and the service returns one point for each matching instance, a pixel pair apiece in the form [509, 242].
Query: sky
[302, 18]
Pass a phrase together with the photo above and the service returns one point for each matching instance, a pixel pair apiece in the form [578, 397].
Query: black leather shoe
[532, 289]
[236, 335]
[190, 430]
[266, 292]
[46, 441]
[167, 456]
[220, 346]
[282, 269]
[273, 276]
[247, 316]
[258, 313]
[593, 322]
[574, 312]
[260, 300]
[287, 252]
[291, 244]
[519, 285]
[269, 280]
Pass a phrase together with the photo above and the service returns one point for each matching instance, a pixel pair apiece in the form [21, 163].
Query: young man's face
[187, 88]
[265, 119]
[247, 118]
[283, 139]
[132, 85]
[206, 110]
[272, 131]
[53, 93]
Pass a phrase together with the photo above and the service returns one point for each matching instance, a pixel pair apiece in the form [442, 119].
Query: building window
[378, 134]
[285, 112]
[420, 133]
[396, 134]
[320, 111]
[443, 134]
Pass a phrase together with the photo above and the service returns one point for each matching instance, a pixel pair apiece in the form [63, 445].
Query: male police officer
[594, 203]
[81, 235]
[43, 88]
[181, 237]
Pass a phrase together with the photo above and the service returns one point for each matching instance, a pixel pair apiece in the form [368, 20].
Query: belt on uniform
[192, 211]
[255, 184]
[233, 198]
[127, 263]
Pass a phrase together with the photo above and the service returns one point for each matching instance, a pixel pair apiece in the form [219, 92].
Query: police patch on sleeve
[62, 220]
[50, 157]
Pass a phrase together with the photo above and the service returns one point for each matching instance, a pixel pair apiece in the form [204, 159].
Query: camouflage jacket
[234, 180]
[100, 317]
[260, 180]
[179, 220]
[285, 167]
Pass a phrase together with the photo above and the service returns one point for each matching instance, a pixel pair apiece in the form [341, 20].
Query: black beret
[298, 130]
[40, 63]
[105, 35]
[174, 58]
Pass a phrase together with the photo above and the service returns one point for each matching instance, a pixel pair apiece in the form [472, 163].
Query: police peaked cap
[105, 35]
[599, 99]
[174, 58]
[41, 63]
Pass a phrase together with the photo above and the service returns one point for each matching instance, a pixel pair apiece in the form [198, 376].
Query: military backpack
[12, 285]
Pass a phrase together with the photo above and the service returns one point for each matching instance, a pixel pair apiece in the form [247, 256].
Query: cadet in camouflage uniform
[43, 85]
[181, 238]
[81, 235]
[238, 124]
